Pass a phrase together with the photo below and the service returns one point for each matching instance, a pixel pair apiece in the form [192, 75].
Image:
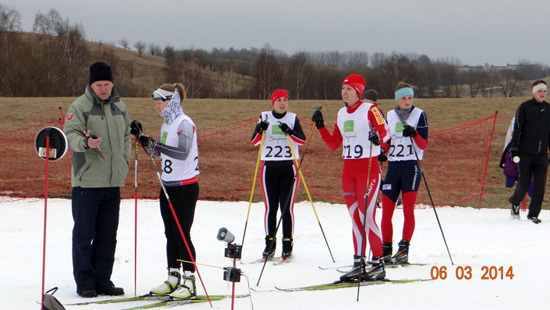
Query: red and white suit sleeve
[379, 124]
[332, 141]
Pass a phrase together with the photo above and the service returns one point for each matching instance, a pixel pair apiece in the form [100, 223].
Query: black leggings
[184, 199]
[277, 184]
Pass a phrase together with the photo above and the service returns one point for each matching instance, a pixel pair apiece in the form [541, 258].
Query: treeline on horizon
[54, 61]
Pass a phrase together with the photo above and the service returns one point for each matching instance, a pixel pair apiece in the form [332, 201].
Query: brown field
[208, 113]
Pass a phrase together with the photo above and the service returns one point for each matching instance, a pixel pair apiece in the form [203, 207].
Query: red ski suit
[355, 176]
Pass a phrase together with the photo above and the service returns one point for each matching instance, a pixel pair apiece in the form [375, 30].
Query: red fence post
[487, 161]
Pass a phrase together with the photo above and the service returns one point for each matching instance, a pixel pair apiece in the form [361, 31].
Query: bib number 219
[357, 151]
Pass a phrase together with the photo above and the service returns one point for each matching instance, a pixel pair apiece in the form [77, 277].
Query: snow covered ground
[480, 240]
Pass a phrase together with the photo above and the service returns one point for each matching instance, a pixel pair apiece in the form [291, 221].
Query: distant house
[488, 68]
[462, 69]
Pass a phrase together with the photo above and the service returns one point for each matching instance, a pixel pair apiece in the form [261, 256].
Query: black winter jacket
[532, 128]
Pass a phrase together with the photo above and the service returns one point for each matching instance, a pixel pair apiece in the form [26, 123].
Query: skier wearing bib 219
[178, 148]
[409, 137]
[278, 174]
[359, 126]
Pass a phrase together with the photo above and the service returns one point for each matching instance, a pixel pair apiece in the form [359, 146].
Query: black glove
[135, 128]
[373, 137]
[146, 141]
[513, 152]
[284, 127]
[409, 131]
[382, 157]
[317, 118]
[262, 126]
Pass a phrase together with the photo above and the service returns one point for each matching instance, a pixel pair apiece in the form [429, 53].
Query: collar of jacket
[354, 107]
[92, 96]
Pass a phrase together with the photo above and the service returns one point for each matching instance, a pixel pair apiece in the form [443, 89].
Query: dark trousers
[184, 200]
[538, 167]
[278, 183]
[95, 215]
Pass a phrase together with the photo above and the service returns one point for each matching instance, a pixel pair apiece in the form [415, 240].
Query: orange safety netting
[455, 164]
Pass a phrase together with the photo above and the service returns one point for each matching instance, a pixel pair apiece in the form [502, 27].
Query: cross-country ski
[469, 250]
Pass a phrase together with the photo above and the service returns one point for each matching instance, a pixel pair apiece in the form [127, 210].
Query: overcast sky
[475, 32]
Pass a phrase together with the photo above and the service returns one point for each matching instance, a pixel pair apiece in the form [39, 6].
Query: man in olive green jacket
[98, 130]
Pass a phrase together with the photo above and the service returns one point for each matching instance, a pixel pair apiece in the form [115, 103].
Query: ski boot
[387, 249]
[376, 272]
[270, 245]
[287, 248]
[515, 210]
[188, 289]
[170, 285]
[356, 270]
[402, 255]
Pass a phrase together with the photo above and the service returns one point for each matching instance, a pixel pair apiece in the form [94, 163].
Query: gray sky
[474, 31]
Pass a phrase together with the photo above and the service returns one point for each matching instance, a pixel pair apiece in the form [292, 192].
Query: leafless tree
[357, 59]
[378, 60]
[509, 82]
[476, 79]
[124, 43]
[196, 83]
[396, 68]
[51, 24]
[10, 19]
[325, 81]
[299, 75]
[267, 73]
[230, 76]
[155, 49]
[140, 47]
[449, 78]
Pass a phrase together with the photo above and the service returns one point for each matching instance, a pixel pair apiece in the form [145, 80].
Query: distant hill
[32, 61]
[147, 71]
[137, 75]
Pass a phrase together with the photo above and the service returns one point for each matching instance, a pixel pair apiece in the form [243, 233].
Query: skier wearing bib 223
[278, 174]
[359, 126]
[178, 148]
[409, 135]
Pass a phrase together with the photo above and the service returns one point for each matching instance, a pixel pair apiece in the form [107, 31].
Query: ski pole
[135, 215]
[253, 186]
[284, 208]
[307, 191]
[431, 200]
[45, 218]
[195, 263]
[176, 220]
[363, 231]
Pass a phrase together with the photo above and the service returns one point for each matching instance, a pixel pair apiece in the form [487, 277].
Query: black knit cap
[371, 94]
[100, 71]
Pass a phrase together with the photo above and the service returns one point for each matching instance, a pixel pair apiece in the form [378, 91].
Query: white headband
[538, 87]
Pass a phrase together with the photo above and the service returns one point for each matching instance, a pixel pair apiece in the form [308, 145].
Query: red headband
[278, 94]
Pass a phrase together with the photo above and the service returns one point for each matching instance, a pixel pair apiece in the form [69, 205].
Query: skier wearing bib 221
[409, 137]
[278, 174]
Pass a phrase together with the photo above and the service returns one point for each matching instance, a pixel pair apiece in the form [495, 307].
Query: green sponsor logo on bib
[348, 126]
[399, 127]
[276, 130]
[163, 137]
